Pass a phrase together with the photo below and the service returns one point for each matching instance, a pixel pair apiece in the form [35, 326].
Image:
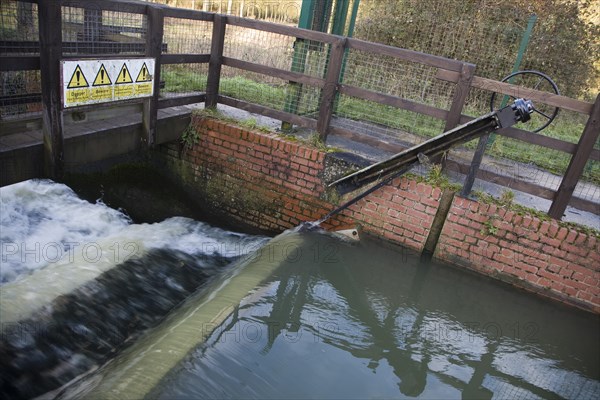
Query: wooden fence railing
[461, 74]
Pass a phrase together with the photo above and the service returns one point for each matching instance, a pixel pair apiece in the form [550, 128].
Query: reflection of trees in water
[406, 349]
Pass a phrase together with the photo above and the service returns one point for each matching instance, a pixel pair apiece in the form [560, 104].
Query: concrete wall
[274, 184]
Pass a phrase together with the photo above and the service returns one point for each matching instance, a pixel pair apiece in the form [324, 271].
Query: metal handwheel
[543, 114]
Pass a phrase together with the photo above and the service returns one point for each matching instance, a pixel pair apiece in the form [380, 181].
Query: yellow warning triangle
[144, 75]
[124, 76]
[77, 79]
[102, 77]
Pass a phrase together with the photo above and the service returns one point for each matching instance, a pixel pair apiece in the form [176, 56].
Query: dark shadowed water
[340, 320]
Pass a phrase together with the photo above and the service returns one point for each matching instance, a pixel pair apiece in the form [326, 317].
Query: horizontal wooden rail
[274, 72]
[16, 99]
[187, 14]
[184, 58]
[518, 91]
[299, 120]
[407, 55]
[282, 29]
[181, 100]
[393, 101]
[81, 47]
[19, 63]
[537, 139]
[134, 7]
[80, 27]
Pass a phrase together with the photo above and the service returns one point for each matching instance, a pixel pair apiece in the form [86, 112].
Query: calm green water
[364, 320]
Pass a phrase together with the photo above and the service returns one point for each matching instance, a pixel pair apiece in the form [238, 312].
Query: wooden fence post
[332, 78]
[216, 61]
[467, 73]
[577, 164]
[50, 33]
[154, 39]
[475, 164]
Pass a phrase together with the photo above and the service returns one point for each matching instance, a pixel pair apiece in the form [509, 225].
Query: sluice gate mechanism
[385, 171]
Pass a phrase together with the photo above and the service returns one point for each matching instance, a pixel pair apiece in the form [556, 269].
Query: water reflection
[375, 322]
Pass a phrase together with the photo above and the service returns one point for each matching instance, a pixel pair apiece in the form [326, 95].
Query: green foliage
[507, 197]
[315, 140]
[564, 42]
[189, 138]
[488, 226]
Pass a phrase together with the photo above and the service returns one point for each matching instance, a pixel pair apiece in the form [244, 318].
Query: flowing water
[191, 311]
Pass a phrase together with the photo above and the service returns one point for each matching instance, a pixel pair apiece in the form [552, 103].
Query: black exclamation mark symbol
[78, 73]
[144, 73]
[102, 75]
[123, 74]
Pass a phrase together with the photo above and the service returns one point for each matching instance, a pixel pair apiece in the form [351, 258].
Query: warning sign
[124, 76]
[144, 76]
[112, 80]
[102, 77]
[77, 79]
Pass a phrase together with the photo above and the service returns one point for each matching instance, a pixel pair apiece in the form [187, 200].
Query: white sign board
[100, 81]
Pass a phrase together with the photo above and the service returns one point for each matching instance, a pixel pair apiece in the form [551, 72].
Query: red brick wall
[275, 184]
[538, 255]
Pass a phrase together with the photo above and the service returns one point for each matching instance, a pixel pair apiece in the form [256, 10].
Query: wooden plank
[585, 205]
[517, 91]
[574, 171]
[216, 59]
[284, 30]
[274, 72]
[329, 92]
[185, 58]
[475, 164]
[81, 47]
[181, 100]
[269, 112]
[503, 180]
[461, 91]
[154, 39]
[50, 16]
[186, 13]
[19, 63]
[16, 99]
[135, 7]
[404, 54]
[531, 137]
[79, 27]
[393, 101]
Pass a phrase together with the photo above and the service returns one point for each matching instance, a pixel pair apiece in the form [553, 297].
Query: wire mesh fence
[186, 36]
[18, 28]
[183, 78]
[94, 31]
[20, 90]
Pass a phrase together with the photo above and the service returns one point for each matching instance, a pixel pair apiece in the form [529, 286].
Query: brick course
[540, 256]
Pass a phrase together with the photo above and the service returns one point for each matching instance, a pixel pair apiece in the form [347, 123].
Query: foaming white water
[53, 242]
[41, 221]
